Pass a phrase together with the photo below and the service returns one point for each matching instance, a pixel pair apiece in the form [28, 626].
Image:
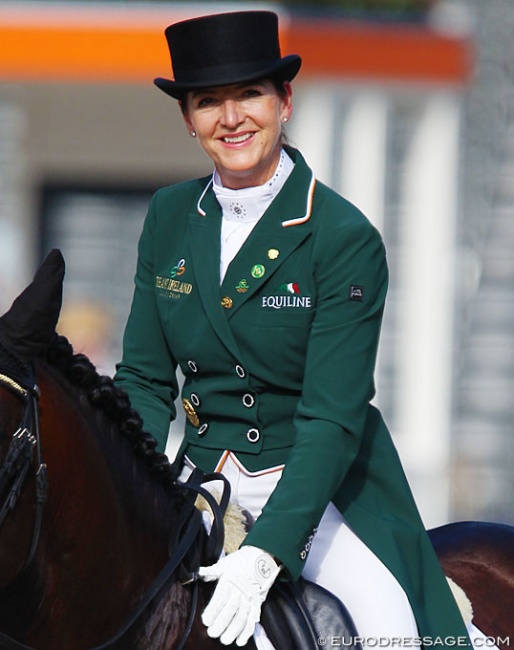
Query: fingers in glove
[236, 625]
[213, 572]
[252, 618]
[219, 617]
[219, 599]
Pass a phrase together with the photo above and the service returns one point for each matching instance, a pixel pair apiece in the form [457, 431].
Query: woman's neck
[284, 162]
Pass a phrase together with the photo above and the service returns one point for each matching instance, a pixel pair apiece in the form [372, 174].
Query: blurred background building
[404, 106]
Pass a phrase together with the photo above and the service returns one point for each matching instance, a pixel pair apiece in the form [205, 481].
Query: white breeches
[338, 560]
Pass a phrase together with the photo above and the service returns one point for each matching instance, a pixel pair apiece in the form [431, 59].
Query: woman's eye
[204, 101]
[252, 92]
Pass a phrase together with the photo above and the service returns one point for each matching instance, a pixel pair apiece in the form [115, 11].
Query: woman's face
[239, 127]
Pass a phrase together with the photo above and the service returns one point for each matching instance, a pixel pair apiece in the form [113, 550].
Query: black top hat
[223, 49]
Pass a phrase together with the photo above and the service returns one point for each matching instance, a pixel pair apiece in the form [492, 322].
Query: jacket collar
[299, 202]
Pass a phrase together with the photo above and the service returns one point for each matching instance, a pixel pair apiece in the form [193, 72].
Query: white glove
[244, 579]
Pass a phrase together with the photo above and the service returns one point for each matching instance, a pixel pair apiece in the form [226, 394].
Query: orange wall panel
[81, 54]
[390, 52]
[79, 45]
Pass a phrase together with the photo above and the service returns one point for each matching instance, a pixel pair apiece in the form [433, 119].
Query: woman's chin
[244, 171]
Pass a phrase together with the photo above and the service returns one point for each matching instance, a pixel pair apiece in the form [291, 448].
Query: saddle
[304, 616]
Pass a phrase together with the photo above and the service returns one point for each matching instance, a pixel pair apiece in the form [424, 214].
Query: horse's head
[25, 331]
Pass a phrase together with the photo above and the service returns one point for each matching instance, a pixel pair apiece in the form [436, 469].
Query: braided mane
[114, 402]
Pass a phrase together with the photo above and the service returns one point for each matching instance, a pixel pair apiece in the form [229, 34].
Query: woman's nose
[230, 113]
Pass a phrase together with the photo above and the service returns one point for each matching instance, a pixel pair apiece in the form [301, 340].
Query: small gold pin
[273, 253]
[242, 286]
[227, 302]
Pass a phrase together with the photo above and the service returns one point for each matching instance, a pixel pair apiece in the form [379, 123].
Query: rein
[14, 470]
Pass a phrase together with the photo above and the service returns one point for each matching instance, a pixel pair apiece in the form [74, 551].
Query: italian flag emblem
[289, 287]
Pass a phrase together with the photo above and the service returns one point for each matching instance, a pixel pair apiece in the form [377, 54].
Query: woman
[267, 289]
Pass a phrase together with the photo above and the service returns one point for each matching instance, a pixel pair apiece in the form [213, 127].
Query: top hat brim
[285, 69]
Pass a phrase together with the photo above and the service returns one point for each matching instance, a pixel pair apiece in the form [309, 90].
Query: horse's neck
[106, 521]
[94, 468]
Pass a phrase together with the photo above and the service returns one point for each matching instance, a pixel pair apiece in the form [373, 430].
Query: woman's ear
[187, 120]
[287, 102]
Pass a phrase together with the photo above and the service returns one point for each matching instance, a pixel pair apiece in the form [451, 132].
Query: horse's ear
[30, 322]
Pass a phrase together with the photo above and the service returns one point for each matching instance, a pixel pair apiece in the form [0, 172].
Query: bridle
[23, 449]
[25, 444]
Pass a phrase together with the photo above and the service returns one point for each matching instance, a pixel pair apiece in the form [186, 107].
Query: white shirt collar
[250, 203]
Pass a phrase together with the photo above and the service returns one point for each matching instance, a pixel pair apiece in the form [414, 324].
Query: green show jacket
[278, 364]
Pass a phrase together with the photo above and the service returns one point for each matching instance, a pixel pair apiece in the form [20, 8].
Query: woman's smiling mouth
[236, 139]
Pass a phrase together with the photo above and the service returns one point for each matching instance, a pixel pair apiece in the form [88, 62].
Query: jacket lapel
[283, 227]
[273, 239]
[205, 232]
[265, 250]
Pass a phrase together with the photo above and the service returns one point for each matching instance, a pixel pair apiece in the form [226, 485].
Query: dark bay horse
[75, 578]
[69, 580]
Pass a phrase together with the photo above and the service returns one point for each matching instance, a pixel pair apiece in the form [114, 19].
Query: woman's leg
[338, 561]
[343, 564]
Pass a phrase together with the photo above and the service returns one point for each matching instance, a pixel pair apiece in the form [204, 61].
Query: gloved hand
[244, 579]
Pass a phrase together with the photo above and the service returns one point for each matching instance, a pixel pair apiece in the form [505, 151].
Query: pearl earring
[284, 119]
[193, 134]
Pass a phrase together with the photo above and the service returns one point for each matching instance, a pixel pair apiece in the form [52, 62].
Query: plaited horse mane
[102, 394]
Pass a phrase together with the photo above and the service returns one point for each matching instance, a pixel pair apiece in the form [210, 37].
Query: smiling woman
[276, 337]
[239, 128]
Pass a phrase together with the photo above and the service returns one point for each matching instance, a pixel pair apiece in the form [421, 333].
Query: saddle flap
[296, 615]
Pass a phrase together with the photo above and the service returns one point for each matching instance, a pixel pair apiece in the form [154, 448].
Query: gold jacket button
[227, 302]
[191, 414]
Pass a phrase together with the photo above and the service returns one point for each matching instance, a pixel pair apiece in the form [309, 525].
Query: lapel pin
[227, 302]
[258, 271]
[242, 286]
[273, 253]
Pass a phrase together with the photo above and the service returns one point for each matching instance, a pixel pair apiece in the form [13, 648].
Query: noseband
[23, 448]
